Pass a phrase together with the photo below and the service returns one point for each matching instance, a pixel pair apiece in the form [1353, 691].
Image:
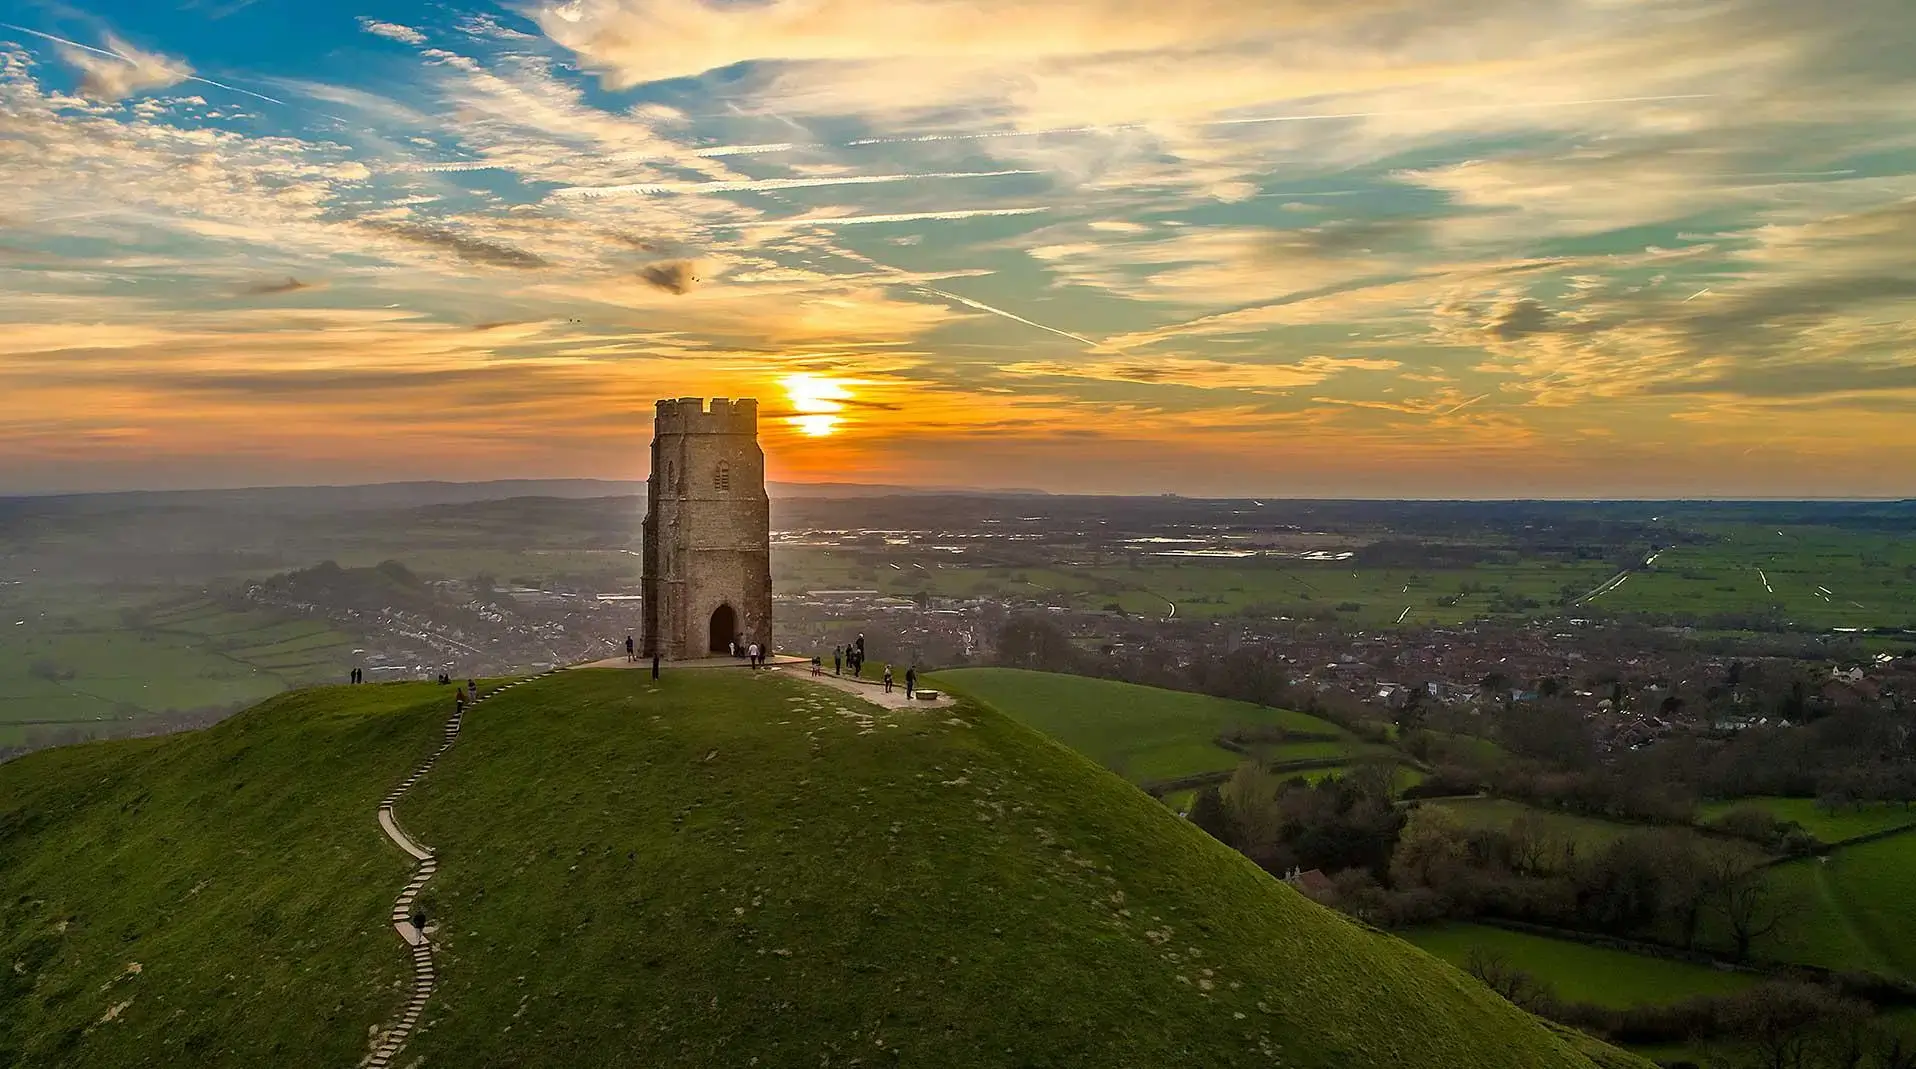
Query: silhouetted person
[911, 680]
[631, 653]
[818, 664]
[655, 665]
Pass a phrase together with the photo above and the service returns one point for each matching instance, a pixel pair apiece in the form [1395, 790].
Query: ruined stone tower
[707, 536]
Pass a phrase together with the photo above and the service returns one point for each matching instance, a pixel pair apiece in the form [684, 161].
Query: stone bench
[929, 695]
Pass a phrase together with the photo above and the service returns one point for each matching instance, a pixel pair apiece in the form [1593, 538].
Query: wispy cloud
[1498, 246]
[391, 30]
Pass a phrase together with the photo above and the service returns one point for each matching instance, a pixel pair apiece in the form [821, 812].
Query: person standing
[459, 701]
[631, 650]
[888, 679]
[655, 665]
[731, 648]
[838, 661]
[752, 652]
[911, 680]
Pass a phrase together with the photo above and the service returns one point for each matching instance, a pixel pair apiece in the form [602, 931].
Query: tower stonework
[707, 542]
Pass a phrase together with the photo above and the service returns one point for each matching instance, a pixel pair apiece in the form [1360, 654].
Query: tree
[1208, 813]
[1684, 888]
[1534, 848]
[1794, 1026]
[1495, 971]
[1410, 716]
[1433, 852]
[1742, 894]
[1034, 642]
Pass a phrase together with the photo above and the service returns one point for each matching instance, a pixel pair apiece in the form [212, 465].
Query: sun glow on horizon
[817, 401]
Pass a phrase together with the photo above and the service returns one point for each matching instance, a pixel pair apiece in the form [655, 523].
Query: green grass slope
[1142, 733]
[725, 868]
[212, 899]
[729, 868]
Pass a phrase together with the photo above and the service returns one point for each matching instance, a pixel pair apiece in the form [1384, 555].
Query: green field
[1196, 587]
[1829, 826]
[1867, 578]
[1869, 885]
[723, 868]
[1143, 733]
[1866, 575]
[1847, 912]
[1579, 972]
[1820, 926]
[1586, 832]
[82, 669]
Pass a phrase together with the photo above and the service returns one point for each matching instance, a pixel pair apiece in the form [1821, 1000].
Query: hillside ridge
[711, 868]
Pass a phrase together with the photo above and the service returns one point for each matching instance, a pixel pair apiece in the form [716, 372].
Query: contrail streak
[1466, 404]
[752, 185]
[746, 150]
[903, 217]
[1014, 317]
[904, 278]
[129, 59]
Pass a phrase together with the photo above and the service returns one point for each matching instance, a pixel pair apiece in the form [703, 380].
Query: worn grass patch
[731, 868]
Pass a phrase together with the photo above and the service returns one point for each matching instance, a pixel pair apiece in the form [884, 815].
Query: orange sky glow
[1524, 248]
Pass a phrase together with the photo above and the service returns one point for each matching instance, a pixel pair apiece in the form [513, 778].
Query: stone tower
[707, 541]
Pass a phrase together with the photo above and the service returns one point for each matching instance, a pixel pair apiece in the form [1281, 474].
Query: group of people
[911, 680]
[751, 650]
[465, 695]
[359, 675]
[852, 656]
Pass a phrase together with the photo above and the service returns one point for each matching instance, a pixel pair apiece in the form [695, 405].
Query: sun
[817, 402]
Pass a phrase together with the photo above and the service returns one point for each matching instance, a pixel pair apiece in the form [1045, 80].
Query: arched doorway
[724, 628]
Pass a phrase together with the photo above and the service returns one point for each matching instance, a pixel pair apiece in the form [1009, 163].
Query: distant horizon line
[885, 489]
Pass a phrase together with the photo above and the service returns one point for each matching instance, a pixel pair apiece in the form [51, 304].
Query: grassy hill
[1144, 733]
[215, 898]
[722, 868]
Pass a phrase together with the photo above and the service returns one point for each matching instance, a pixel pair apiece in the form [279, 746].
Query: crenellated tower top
[690, 415]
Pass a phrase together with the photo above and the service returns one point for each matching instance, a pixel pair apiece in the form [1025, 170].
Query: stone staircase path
[424, 977]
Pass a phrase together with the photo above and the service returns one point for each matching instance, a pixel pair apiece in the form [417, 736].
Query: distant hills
[411, 494]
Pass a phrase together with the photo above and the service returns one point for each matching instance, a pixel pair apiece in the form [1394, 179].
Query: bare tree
[1496, 973]
[1743, 895]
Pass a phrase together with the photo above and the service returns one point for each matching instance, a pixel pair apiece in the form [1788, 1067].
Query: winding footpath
[424, 977]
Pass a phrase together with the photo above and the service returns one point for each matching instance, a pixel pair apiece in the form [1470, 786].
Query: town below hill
[144, 613]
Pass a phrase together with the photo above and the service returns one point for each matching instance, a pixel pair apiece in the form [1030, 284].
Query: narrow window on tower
[722, 478]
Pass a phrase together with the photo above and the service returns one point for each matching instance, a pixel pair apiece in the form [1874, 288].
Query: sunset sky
[1479, 248]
